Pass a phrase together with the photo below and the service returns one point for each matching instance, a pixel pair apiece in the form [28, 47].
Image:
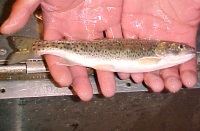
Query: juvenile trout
[115, 55]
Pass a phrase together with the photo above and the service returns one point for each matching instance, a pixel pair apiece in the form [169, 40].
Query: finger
[171, 79]
[21, 11]
[81, 83]
[107, 79]
[61, 74]
[106, 83]
[127, 21]
[154, 81]
[114, 32]
[188, 73]
[123, 76]
[137, 77]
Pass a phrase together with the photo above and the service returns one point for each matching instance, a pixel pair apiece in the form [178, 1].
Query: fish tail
[22, 49]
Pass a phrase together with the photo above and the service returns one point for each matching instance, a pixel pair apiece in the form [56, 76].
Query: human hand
[72, 19]
[163, 20]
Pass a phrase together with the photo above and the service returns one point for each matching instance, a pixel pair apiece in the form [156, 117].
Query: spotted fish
[115, 55]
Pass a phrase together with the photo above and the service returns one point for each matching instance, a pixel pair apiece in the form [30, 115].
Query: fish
[114, 55]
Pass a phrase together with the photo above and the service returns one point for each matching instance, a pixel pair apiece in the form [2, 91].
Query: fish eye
[181, 46]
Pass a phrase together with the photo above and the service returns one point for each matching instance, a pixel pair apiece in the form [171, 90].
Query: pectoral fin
[67, 63]
[149, 60]
[104, 67]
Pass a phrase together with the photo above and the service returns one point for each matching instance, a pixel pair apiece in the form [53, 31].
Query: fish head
[175, 51]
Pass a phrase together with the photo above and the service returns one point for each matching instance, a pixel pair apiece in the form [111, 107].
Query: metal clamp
[24, 68]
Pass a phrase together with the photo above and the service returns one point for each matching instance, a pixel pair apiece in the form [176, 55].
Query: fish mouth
[188, 52]
[185, 56]
[182, 56]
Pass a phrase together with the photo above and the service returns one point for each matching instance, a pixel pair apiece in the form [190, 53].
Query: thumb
[21, 11]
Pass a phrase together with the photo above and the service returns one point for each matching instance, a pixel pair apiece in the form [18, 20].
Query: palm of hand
[81, 19]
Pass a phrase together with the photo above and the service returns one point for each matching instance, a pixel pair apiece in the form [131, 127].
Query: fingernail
[173, 84]
[189, 78]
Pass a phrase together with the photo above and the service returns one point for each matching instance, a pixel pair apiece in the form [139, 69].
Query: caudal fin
[23, 49]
